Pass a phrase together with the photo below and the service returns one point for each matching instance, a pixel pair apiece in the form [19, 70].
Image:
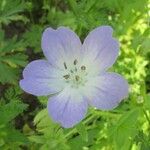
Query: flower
[75, 74]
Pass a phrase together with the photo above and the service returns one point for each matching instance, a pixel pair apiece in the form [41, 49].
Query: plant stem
[75, 130]
[146, 115]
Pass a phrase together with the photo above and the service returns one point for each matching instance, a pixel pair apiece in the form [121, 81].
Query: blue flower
[75, 74]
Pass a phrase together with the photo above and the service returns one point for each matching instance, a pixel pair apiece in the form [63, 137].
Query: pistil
[76, 77]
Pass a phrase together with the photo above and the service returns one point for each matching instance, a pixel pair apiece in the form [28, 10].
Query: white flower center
[75, 75]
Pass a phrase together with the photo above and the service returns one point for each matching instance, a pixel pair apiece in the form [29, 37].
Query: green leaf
[10, 111]
[81, 128]
[124, 129]
[8, 74]
[9, 10]
[43, 100]
[15, 60]
[37, 139]
[51, 135]
[32, 37]
[147, 102]
[143, 140]
[14, 135]
[78, 143]
[38, 120]
[43, 122]
[11, 59]
[12, 138]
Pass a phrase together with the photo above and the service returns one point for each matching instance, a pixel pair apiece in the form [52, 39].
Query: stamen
[83, 68]
[65, 65]
[77, 78]
[66, 76]
[75, 62]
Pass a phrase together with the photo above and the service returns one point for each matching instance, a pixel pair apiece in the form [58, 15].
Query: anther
[77, 78]
[65, 65]
[75, 62]
[83, 68]
[66, 76]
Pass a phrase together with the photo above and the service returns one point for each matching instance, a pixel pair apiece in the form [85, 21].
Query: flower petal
[40, 78]
[106, 91]
[67, 108]
[100, 47]
[59, 45]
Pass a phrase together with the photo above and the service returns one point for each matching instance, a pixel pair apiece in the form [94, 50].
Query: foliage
[24, 121]
[10, 9]
[10, 58]
[10, 137]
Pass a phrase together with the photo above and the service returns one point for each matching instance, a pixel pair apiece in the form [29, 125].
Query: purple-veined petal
[40, 78]
[59, 45]
[106, 91]
[67, 108]
[100, 47]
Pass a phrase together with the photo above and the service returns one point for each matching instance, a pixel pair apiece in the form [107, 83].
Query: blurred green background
[24, 122]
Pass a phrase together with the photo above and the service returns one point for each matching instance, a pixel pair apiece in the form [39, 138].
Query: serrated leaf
[37, 139]
[32, 38]
[9, 10]
[43, 121]
[14, 135]
[10, 111]
[15, 60]
[10, 59]
[8, 74]
[40, 116]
